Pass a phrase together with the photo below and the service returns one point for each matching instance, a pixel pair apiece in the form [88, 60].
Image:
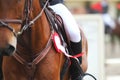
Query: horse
[116, 30]
[25, 37]
[115, 35]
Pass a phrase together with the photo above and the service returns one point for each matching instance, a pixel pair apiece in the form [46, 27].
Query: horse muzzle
[7, 45]
[8, 50]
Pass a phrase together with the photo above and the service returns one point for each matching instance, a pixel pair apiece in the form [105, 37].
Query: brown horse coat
[29, 44]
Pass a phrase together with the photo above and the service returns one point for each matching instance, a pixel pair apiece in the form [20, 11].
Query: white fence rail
[93, 28]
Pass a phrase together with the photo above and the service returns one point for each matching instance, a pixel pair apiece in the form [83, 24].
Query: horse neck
[36, 37]
[40, 34]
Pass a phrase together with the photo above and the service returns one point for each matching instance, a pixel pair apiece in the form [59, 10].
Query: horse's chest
[30, 71]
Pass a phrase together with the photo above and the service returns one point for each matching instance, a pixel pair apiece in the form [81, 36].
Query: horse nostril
[9, 50]
[0, 53]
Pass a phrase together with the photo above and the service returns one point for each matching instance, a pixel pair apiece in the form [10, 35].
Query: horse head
[10, 13]
[7, 41]
[15, 17]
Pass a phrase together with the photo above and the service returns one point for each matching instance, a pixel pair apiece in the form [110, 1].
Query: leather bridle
[25, 23]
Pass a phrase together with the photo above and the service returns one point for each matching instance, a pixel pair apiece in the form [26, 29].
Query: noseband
[24, 23]
[4, 23]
